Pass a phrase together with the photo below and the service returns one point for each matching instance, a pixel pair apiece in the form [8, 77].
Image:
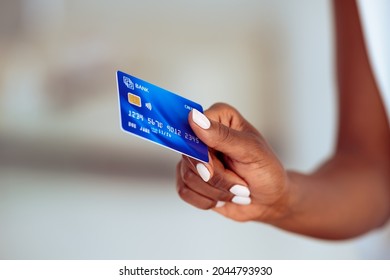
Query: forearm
[344, 198]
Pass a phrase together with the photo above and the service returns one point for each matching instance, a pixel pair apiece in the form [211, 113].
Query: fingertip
[200, 119]
[240, 190]
[241, 200]
[220, 204]
[203, 172]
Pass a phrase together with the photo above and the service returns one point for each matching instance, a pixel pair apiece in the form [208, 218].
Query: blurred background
[74, 186]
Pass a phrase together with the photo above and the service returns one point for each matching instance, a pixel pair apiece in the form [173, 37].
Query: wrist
[288, 207]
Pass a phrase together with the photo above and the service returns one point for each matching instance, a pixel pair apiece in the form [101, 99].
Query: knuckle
[186, 195]
[183, 192]
[178, 167]
[224, 135]
[218, 181]
[221, 137]
[188, 175]
[226, 109]
[206, 205]
[225, 196]
[215, 180]
[222, 106]
[217, 110]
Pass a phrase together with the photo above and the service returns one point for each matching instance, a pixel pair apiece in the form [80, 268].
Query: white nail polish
[241, 200]
[240, 191]
[220, 204]
[200, 119]
[203, 172]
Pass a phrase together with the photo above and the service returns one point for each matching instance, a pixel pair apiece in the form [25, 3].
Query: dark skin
[346, 197]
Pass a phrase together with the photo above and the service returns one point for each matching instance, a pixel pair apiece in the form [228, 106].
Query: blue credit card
[158, 115]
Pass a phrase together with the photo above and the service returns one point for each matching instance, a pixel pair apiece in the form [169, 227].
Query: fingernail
[203, 172]
[240, 190]
[200, 119]
[241, 200]
[220, 204]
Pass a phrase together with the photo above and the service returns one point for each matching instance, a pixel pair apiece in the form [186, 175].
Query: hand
[243, 180]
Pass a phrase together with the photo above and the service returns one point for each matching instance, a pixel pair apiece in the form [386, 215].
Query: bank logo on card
[129, 83]
[165, 122]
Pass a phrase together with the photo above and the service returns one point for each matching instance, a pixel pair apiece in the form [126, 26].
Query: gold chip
[134, 99]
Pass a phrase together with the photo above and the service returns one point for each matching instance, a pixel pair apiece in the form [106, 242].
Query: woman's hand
[348, 195]
[243, 180]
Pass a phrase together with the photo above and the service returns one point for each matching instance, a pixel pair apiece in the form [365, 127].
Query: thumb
[238, 145]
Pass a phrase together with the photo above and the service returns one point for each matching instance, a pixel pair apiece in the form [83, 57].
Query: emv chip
[134, 99]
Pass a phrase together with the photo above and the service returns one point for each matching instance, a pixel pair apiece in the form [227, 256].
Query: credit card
[158, 115]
